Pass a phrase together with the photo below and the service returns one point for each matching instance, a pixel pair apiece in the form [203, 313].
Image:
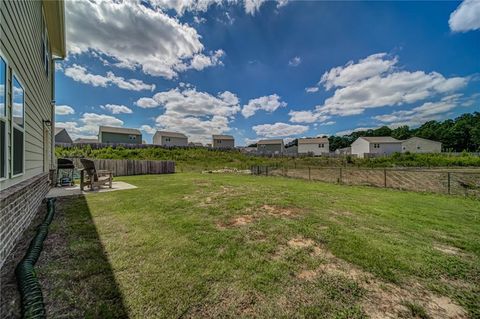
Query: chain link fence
[443, 181]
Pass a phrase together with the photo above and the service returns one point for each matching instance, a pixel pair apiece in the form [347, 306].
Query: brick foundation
[18, 206]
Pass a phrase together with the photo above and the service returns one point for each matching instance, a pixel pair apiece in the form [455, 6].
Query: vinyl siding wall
[170, 141]
[21, 24]
[313, 148]
[223, 143]
[107, 137]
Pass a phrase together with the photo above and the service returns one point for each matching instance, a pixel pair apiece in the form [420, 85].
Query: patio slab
[75, 190]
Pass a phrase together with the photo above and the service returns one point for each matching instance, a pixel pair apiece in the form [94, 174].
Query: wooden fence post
[340, 176]
[309, 175]
[385, 177]
[448, 182]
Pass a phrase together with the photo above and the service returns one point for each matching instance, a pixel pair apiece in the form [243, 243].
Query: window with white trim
[3, 118]
[321, 145]
[18, 127]
[376, 145]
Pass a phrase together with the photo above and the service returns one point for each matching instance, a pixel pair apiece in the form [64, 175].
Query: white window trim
[13, 126]
[4, 118]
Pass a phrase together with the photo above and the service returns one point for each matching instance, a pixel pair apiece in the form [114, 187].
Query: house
[421, 145]
[62, 136]
[315, 146]
[32, 38]
[270, 147]
[164, 138]
[85, 140]
[368, 146]
[344, 151]
[195, 144]
[111, 134]
[223, 141]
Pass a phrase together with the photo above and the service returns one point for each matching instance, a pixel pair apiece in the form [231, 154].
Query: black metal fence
[445, 181]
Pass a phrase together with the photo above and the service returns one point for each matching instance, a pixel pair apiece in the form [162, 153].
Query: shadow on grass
[75, 273]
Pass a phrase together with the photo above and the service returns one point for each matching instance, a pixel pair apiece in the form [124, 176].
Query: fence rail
[455, 182]
[128, 167]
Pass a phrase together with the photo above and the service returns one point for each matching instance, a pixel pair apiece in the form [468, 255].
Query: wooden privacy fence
[457, 182]
[129, 167]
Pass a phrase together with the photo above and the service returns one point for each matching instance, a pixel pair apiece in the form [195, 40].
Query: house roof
[313, 140]
[170, 134]
[119, 130]
[55, 20]
[222, 137]
[380, 139]
[270, 142]
[58, 130]
[421, 138]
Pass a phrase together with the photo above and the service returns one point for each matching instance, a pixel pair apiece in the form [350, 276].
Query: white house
[165, 138]
[269, 147]
[316, 146]
[366, 146]
[421, 145]
[223, 141]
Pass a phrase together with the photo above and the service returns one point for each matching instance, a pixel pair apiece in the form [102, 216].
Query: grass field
[206, 245]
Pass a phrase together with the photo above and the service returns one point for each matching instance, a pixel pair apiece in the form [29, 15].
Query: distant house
[165, 138]
[270, 147]
[62, 136]
[367, 146]
[32, 38]
[110, 134]
[223, 141]
[85, 140]
[344, 151]
[421, 145]
[195, 144]
[315, 146]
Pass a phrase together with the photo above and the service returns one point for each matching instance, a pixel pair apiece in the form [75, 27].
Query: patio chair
[94, 178]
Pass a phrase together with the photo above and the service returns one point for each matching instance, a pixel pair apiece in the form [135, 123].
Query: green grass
[170, 249]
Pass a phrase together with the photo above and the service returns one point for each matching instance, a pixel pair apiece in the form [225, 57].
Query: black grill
[65, 170]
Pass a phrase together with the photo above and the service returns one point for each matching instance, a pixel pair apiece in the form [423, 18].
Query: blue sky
[266, 69]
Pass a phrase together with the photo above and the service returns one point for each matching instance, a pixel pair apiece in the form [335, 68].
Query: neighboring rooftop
[119, 130]
[58, 130]
[380, 139]
[222, 137]
[313, 140]
[421, 138]
[269, 142]
[86, 140]
[170, 134]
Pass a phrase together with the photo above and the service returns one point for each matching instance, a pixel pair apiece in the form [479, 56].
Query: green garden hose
[30, 290]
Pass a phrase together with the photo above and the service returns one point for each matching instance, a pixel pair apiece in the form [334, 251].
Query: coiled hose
[28, 285]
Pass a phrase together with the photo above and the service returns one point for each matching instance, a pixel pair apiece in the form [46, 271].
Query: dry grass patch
[382, 299]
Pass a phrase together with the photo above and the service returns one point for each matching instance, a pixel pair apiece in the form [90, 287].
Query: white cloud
[252, 6]
[268, 103]
[199, 20]
[375, 82]
[80, 74]
[295, 61]
[348, 132]
[307, 117]
[117, 109]
[197, 114]
[64, 110]
[201, 61]
[87, 125]
[279, 129]
[148, 129]
[466, 17]
[426, 112]
[312, 89]
[133, 34]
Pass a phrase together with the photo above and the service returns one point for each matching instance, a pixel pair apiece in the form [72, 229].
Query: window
[375, 145]
[418, 147]
[167, 139]
[321, 145]
[132, 137]
[18, 126]
[3, 119]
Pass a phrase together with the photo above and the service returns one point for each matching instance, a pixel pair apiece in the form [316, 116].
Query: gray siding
[217, 143]
[21, 24]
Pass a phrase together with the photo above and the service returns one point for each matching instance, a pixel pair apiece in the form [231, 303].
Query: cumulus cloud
[348, 132]
[201, 61]
[279, 129]
[295, 61]
[466, 17]
[80, 74]
[117, 109]
[268, 103]
[148, 129]
[144, 37]
[307, 117]
[87, 125]
[64, 110]
[197, 114]
[428, 111]
[375, 82]
[312, 89]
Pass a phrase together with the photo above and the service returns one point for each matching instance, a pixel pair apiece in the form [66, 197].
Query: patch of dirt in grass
[237, 221]
[382, 300]
[449, 250]
[279, 211]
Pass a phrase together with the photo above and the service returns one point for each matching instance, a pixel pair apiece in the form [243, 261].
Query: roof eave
[55, 19]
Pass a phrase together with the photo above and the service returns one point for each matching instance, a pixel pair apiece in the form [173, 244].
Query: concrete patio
[75, 190]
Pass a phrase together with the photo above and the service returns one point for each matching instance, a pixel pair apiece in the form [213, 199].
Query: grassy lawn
[193, 245]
